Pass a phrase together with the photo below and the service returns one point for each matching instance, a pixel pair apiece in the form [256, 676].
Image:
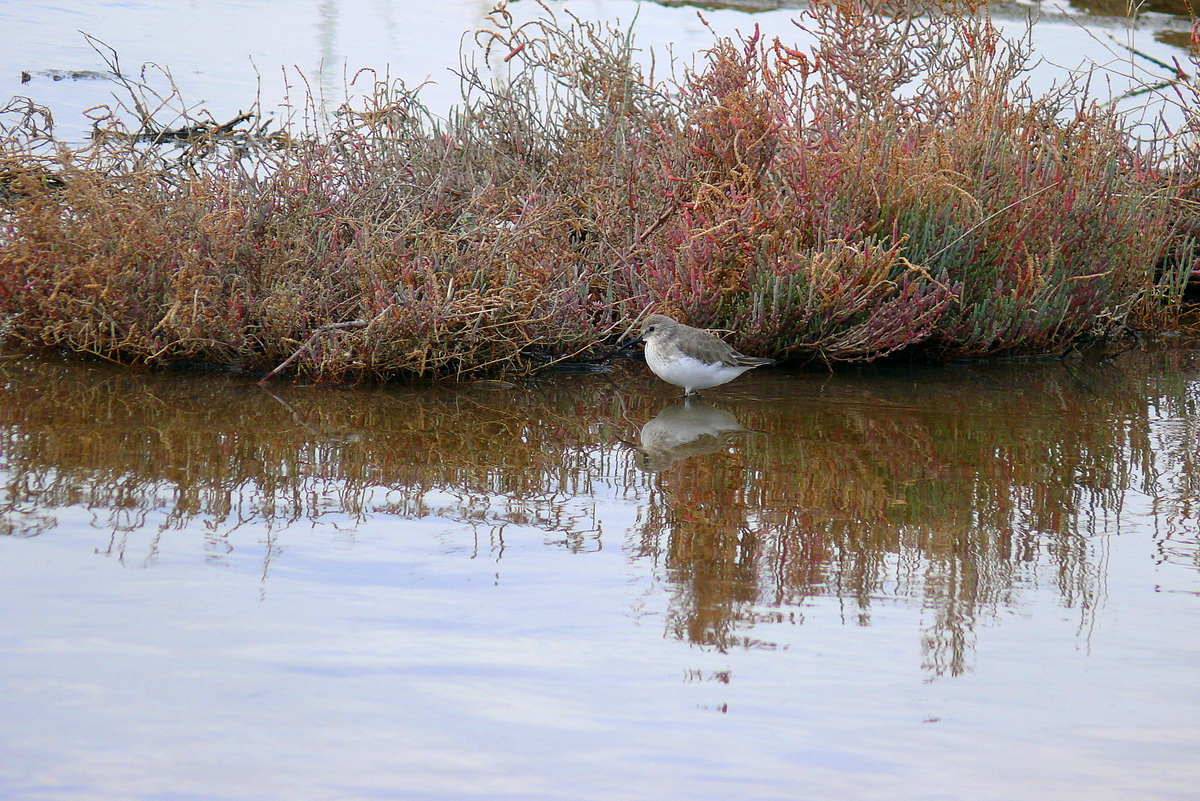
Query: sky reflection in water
[902, 583]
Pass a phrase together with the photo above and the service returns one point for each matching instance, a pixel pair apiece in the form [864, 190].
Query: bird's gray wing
[712, 350]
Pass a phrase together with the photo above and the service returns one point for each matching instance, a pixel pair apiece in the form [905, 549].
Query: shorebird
[691, 358]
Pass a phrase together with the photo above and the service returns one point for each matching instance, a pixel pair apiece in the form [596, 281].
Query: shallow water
[223, 55]
[901, 583]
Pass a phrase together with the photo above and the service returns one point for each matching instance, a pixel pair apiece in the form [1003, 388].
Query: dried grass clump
[894, 188]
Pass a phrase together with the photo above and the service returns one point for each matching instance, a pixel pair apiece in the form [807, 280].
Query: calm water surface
[223, 55]
[908, 583]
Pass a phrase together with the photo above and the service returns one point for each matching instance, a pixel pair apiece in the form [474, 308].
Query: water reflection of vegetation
[952, 489]
[231, 452]
[954, 493]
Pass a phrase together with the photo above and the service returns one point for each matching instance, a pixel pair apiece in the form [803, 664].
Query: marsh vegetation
[894, 189]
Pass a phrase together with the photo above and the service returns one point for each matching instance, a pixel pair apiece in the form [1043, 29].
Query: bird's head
[656, 325]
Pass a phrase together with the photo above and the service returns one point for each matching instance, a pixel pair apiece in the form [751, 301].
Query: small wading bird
[691, 358]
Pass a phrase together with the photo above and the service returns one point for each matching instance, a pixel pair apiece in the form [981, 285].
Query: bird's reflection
[684, 430]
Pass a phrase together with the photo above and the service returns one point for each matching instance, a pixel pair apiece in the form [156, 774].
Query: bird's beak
[624, 346]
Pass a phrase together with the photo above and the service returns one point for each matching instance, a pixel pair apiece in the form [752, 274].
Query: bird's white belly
[690, 373]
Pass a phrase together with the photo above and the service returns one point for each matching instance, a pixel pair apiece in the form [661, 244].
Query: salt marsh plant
[894, 187]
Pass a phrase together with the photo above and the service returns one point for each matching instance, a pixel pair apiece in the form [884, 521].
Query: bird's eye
[651, 328]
